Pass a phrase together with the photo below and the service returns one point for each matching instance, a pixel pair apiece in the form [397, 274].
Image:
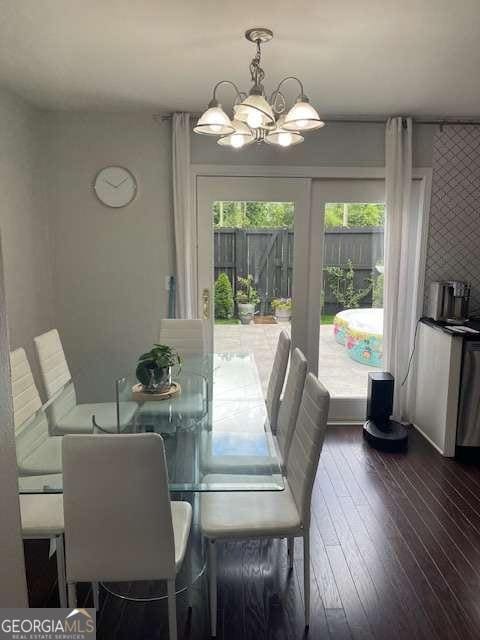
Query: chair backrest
[277, 378]
[55, 373]
[118, 521]
[306, 445]
[287, 416]
[29, 434]
[186, 336]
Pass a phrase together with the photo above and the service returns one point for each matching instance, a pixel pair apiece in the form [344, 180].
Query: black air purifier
[379, 430]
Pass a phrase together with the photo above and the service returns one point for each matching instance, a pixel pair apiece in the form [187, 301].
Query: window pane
[253, 261]
[351, 333]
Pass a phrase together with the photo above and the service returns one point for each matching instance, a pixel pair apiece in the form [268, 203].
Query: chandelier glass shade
[302, 117]
[255, 112]
[282, 136]
[241, 136]
[214, 122]
[257, 118]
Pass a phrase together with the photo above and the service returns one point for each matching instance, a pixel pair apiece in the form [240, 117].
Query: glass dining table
[217, 438]
[215, 427]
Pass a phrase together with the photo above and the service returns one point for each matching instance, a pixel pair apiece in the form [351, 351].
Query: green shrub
[340, 280]
[281, 304]
[246, 292]
[223, 297]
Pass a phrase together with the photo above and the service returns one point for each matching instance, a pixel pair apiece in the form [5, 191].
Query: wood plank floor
[395, 554]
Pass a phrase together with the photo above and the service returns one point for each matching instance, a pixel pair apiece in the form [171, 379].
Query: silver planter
[160, 380]
[246, 312]
[283, 315]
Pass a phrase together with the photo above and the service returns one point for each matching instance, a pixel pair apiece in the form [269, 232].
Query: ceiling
[356, 57]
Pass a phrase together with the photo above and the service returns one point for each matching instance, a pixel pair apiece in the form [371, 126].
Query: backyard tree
[354, 214]
[244, 215]
[223, 297]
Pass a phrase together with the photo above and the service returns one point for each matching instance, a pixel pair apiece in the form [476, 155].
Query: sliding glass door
[307, 255]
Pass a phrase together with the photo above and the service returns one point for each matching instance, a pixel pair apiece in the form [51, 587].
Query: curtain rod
[163, 117]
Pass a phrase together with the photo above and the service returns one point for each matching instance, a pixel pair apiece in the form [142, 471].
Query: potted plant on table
[282, 308]
[247, 298]
[154, 368]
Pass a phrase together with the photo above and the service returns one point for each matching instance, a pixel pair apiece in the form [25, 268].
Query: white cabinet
[438, 369]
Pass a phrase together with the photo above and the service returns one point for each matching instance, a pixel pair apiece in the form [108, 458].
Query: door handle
[206, 303]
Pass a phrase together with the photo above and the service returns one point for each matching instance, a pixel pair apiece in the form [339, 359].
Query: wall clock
[115, 186]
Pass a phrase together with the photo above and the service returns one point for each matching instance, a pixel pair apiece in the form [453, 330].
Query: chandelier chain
[256, 72]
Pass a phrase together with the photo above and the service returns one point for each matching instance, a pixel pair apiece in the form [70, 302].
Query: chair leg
[96, 595]
[62, 582]
[306, 575]
[212, 575]
[172, 609]
[290, 549]
[72, 595]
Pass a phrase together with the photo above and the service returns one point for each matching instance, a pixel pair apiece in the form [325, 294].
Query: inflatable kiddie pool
[361, 332]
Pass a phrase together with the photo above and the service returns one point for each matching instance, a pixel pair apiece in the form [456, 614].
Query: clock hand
[120, 183]
[108, 182]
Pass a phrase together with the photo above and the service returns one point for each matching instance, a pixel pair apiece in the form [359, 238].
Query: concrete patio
[342, 376]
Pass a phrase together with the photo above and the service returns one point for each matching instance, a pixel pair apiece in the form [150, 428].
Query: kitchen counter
[469, 331]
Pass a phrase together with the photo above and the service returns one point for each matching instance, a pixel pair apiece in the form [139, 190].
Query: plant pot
[155, 379]
[283, 315]
[246, 311]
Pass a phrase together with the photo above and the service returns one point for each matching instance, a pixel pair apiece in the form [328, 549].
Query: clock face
[115, 186]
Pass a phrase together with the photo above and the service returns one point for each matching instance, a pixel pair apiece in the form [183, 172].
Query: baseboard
[429, 440]
[344, 423]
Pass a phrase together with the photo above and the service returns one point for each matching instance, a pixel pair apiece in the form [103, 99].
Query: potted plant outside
[282, 308]
[247, 298]
[154, 368]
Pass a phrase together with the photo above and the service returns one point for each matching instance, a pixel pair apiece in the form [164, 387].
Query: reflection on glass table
[216, 430]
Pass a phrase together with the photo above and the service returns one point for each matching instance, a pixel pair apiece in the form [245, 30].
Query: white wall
[24, 225]
[337, 144]
[109, 264]
[13, 587]
[23, 263]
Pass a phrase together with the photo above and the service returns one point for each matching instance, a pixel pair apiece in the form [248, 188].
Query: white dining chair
[275, 514]
[120, 525]
[186, 336]
[277, 378]
[42, 518]
[65, 414]
[38, 453]
[290, 405]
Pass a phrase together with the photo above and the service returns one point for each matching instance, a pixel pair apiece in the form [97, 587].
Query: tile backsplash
[453, 251]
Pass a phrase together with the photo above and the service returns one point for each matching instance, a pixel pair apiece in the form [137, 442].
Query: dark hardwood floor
[395, 554]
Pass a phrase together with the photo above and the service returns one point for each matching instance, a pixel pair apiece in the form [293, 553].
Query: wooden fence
[267, 254]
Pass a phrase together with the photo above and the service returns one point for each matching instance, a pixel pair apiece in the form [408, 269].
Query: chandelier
[257, 118]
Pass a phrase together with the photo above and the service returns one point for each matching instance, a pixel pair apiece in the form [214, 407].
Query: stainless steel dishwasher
[468, 424]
